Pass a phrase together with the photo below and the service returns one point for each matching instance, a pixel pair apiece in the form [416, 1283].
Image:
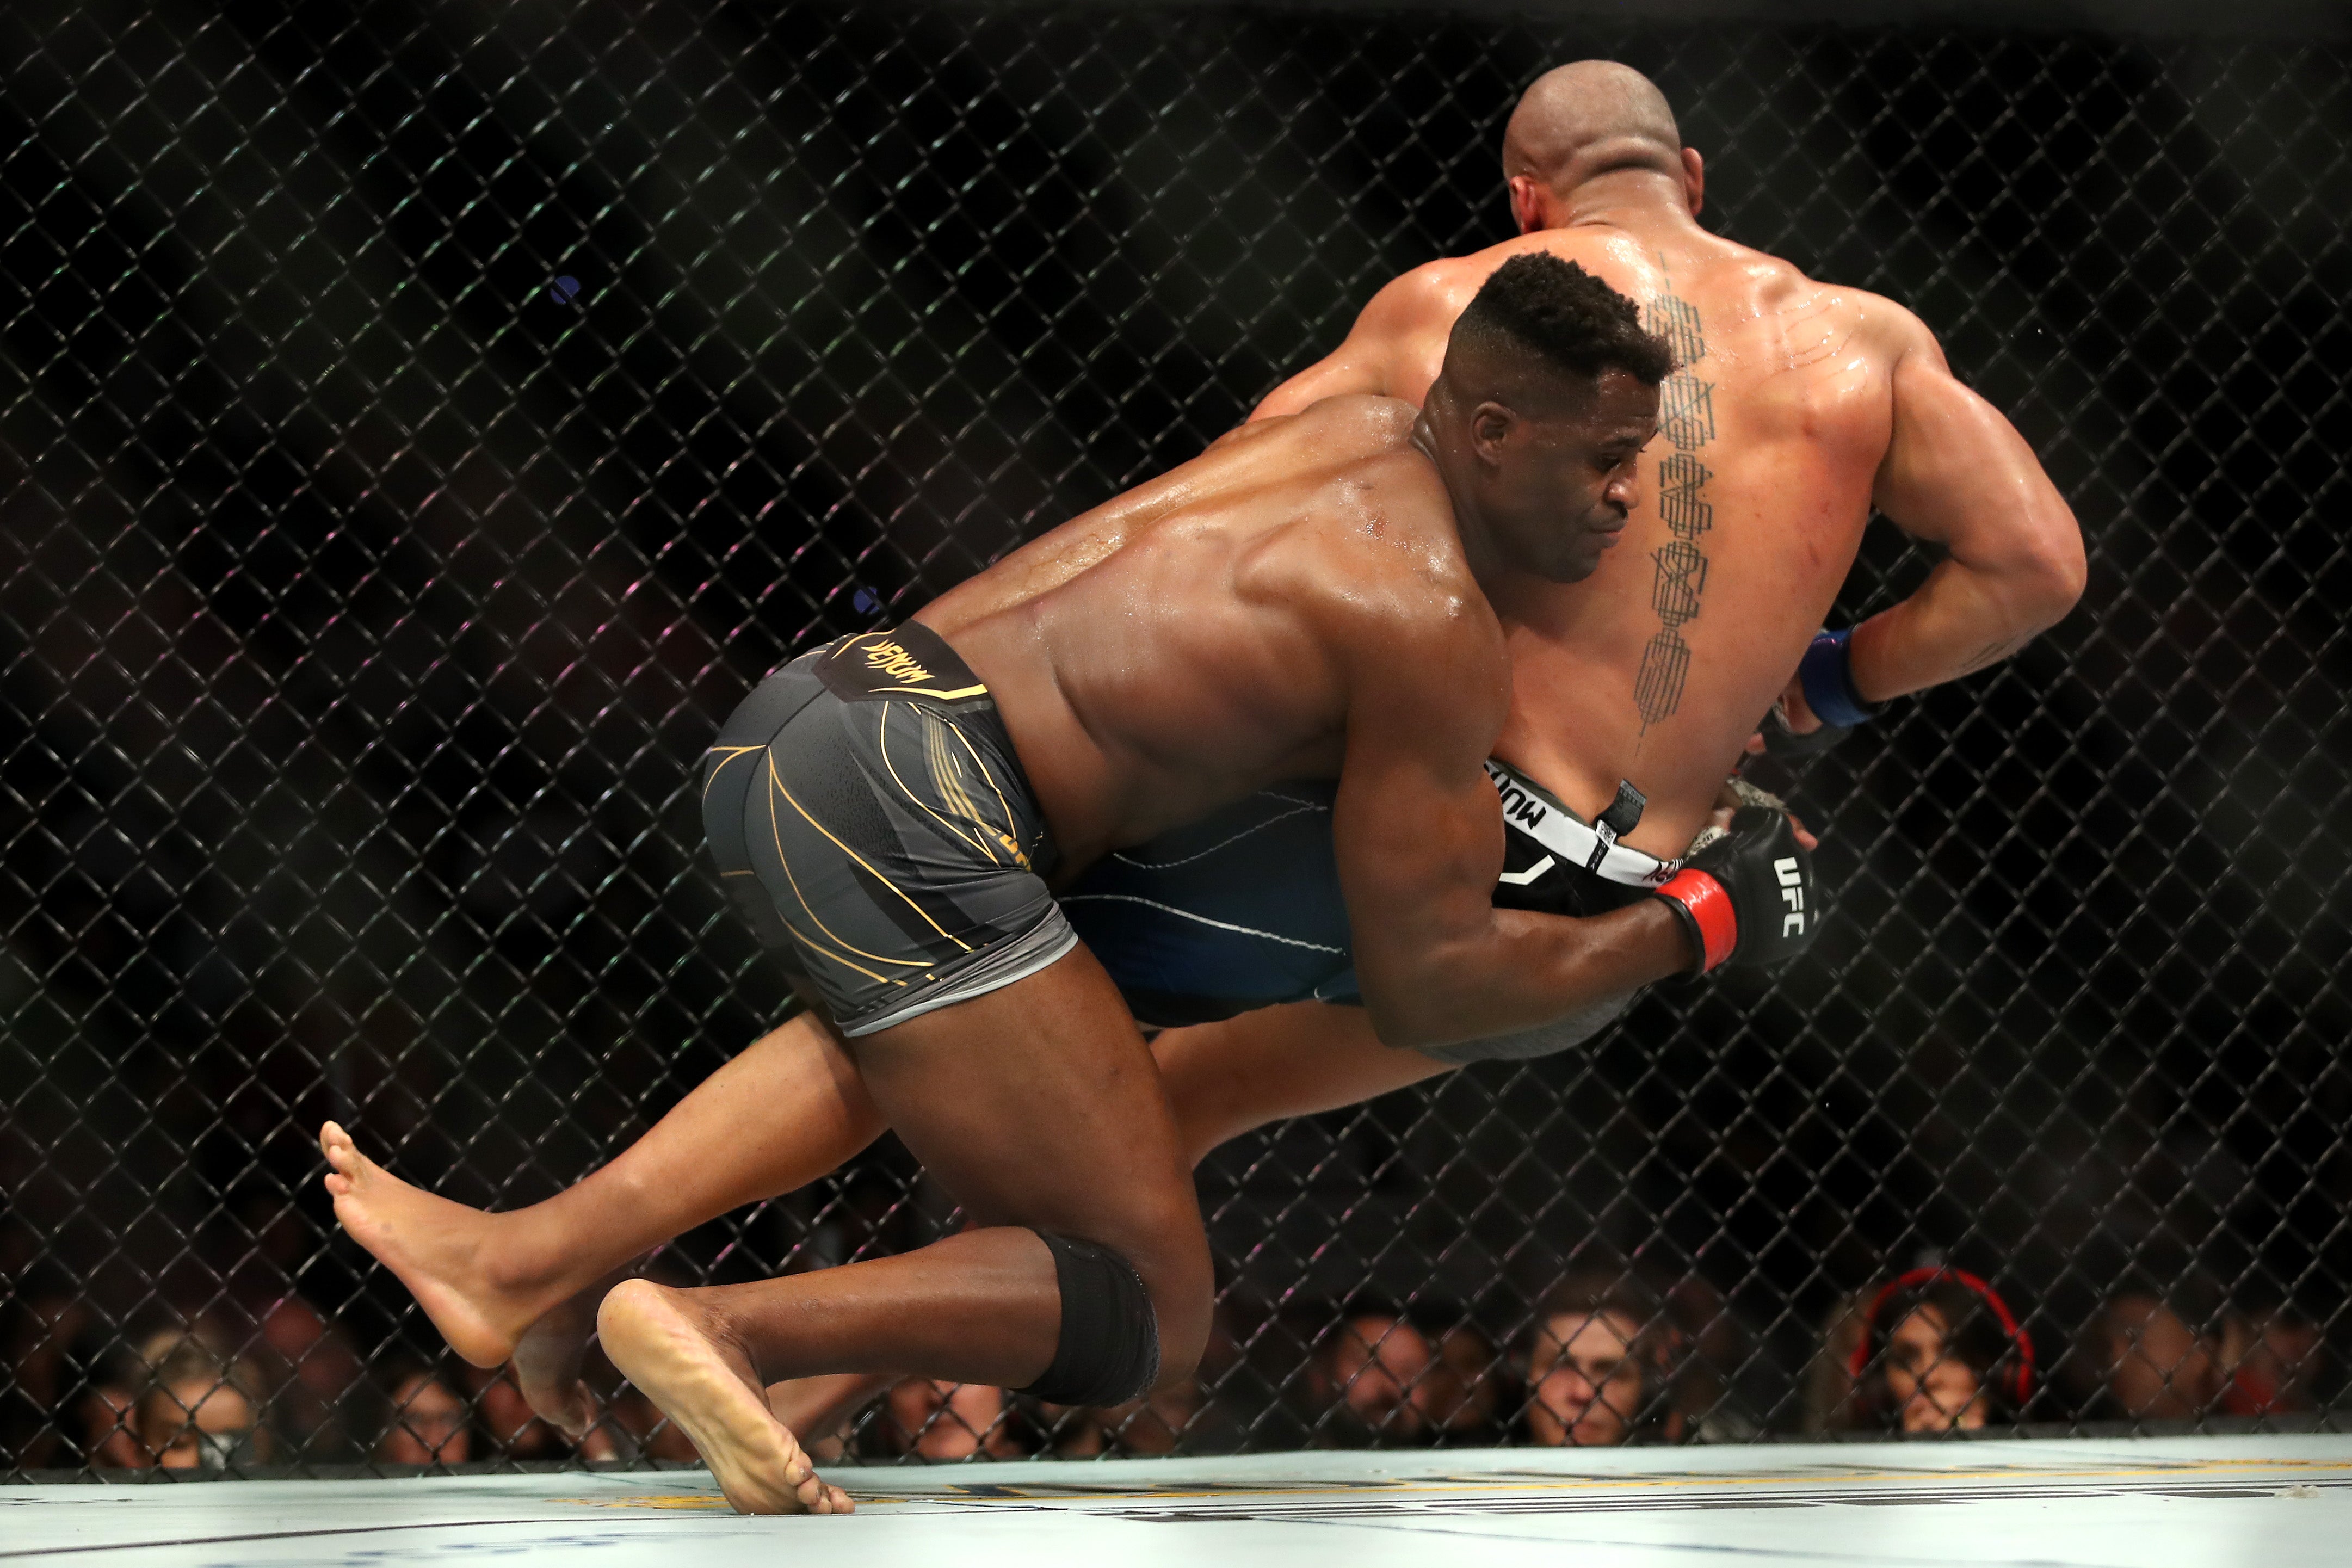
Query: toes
[342, 1154]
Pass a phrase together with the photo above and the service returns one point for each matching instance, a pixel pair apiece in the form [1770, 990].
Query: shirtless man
[1806, 406]
[890, 812]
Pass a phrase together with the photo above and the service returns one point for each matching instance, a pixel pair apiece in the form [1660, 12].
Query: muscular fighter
[892, 811]
[1803, 406]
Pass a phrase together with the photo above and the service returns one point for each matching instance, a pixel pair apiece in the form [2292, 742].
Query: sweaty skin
[1305, 601]
[1945, 465]
[1298, 604]
[1801, 406]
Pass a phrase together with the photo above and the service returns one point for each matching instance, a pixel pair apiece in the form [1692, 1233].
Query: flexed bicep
[1958, 474]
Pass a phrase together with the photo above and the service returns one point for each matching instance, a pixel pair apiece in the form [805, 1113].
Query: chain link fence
[419, 423]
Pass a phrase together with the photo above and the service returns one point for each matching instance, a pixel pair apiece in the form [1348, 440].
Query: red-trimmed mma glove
[1747, 898]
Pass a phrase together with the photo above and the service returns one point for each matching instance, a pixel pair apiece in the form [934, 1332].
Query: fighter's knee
[1130, 1320]
[1183, 1300]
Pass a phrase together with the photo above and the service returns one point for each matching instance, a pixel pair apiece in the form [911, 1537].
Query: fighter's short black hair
[1567, 318]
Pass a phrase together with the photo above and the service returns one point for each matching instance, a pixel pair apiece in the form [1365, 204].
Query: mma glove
[1779, 740]
[1747, 898]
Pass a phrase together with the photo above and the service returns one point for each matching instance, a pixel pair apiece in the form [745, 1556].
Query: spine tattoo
[1687, 418]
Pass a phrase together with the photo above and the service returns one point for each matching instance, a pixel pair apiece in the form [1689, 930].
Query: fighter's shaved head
[1588, 119]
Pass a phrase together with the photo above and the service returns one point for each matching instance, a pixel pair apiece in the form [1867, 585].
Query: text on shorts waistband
[1528, 809]
[911, 661]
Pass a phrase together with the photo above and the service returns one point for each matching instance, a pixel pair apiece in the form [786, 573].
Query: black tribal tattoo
[1687, 418]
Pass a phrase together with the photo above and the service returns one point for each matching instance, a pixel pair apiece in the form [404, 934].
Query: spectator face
[1586, 1380]
[199, 1424]
[1930, 1387]
[428, 1424]
[1375, 1364]
[2157, 1367]
[951, 1420]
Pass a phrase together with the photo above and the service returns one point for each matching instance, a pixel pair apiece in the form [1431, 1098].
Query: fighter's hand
[1793, 729]
[1748, 897]
[1737, 791]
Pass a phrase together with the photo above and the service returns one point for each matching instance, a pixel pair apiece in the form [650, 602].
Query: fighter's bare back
[1798, 406]
[1195, 639]
[1771, 433]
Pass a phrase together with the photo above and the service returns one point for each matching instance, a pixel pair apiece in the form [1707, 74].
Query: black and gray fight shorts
[1242, 910]
[871, 821]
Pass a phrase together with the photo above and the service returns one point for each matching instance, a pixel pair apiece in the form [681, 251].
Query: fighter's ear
[1527, 203]
[1490, 427]
[1693, 179]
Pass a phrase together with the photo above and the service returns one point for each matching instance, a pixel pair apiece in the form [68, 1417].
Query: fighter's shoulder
[1378, 542]
[1347, 428]
[1876, 322]
[1893, 328]
[1425, 299]
[1393, 577]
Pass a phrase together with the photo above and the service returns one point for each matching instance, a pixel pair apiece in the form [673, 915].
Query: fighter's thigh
[1038, 1105]
[1227, 1079]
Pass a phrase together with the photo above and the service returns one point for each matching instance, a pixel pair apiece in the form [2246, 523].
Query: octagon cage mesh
[420, 423]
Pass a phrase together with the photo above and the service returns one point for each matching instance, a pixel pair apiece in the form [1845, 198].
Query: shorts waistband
[1531, 809]
[911, 661]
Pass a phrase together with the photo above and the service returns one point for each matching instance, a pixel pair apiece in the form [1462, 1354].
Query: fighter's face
[1557, 490]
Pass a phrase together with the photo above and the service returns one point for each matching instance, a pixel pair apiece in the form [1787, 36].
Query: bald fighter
[1802, 404]
[891, 813]
[1795, 408]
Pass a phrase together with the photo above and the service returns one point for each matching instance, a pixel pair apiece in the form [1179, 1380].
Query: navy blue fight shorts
[1241, 908]
[871, 821]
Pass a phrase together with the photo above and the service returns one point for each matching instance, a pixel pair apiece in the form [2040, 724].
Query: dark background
[364, 606]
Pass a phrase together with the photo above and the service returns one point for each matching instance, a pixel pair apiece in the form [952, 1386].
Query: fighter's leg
[1227, 1079]
[1038, 1107]
[1223, 1079]
[785, 1111]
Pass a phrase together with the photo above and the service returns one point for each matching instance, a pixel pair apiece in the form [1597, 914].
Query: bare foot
[706, 1385]
[439, 1249]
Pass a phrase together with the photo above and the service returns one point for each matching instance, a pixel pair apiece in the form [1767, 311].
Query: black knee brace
[1108, 1350]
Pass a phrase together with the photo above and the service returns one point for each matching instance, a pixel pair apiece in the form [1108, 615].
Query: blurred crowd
[1605, 1358]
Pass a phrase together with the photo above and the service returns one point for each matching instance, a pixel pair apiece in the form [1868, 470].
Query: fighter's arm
[1419, 833]
[1958, 474]
[1404, 326]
